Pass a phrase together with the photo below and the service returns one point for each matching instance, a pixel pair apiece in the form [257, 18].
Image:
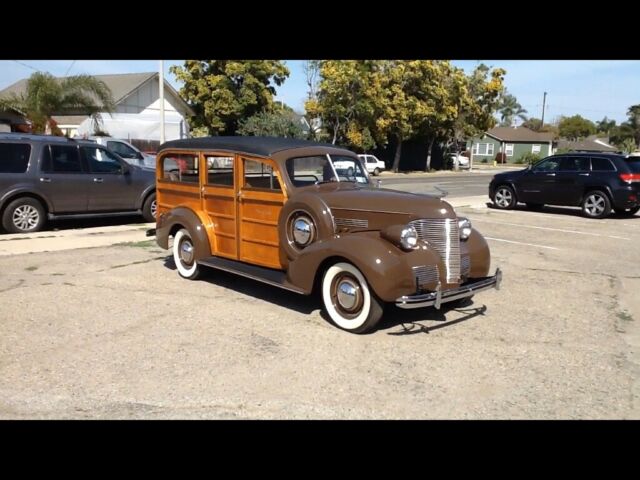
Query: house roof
[590, 144]
[122, 85]
[519, 134]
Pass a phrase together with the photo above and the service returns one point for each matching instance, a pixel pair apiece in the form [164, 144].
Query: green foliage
[47, 95]
[628, 145]
[528, 158]
[224, 92]
[629, 130]
[605, 125]
[283, 123]
[532, 123]
[576, 127]
[509, 109]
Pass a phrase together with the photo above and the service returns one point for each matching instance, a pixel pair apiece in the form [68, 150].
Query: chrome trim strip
[351, 223]
[439, 297]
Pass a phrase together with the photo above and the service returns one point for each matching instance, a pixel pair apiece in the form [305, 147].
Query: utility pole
[544, 101]
[162, 102]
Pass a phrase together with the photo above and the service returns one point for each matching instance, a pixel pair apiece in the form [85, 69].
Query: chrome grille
[351, 223]
[426, 274]
[465, 265]
[442, 234]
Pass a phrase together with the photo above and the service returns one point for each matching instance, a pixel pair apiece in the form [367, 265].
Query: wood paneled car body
[303, 215]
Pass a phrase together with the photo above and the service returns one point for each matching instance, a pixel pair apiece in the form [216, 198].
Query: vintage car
[278, 211]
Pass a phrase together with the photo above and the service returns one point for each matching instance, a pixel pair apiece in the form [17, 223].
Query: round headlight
[464, 225]
[302, 231]
[408, 238]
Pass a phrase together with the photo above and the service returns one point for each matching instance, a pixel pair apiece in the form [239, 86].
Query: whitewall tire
[347, 299]
[184, 255]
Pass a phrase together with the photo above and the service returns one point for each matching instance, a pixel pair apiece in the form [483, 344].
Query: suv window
[101, 160]
[602, 165]
[14, 157]
[125, 151]
[548, 165]
[574, 164]
[634, 164]
[60, 159]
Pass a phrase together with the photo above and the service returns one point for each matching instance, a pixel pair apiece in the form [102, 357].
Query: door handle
[239, 194]
[584, 174]
[98, 180]
[551, 174]
[45, 179]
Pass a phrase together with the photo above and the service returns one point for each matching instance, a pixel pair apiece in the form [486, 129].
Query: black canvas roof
[262, 146]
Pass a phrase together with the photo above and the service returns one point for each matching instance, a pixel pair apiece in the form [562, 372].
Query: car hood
[510, 175]
[378, 207]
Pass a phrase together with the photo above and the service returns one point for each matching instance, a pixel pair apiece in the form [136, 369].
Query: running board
[277, 278]
[69, 216]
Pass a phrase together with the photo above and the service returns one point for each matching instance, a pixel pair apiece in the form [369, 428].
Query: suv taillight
[630, 177]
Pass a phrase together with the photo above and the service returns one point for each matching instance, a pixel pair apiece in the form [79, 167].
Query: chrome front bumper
[439, 297]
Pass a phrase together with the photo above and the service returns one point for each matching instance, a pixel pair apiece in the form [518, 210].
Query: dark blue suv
[598, 182]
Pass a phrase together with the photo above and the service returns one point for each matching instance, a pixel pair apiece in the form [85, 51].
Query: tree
[532, 123]
[47, 95]
[576, 127]
[223, 92]
[629, 129]
[282, 123]
[509, 109]
[312, 76]
[605, 125]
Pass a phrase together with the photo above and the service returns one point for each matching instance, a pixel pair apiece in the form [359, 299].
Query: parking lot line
[550, 228]
[522, 243]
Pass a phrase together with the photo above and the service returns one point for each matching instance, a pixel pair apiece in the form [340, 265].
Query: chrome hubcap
[347, 294]
[186, 252]
[594, 205]
[25, 217]
[154, 208]
[503, 197]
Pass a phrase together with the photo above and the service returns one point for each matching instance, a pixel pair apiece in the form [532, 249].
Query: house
[589, 144]
[513, 141]
[137, 109]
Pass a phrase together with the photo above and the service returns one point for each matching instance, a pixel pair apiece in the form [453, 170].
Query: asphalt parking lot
[112, 332]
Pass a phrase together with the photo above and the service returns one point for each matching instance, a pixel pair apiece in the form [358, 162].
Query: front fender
[479, 255]
[387, 268]
[168, 222]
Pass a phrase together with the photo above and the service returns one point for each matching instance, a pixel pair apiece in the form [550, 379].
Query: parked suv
[279, 211]
[598, 182]
[45, 177]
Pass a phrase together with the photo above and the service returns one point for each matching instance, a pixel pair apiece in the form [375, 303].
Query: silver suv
[45, 177]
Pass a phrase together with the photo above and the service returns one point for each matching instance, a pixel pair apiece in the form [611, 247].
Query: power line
[28, 66]
[72, 63]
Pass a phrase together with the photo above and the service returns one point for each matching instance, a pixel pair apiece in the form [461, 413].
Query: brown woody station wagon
[302, 215]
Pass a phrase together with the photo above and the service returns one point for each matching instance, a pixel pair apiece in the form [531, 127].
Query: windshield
[305, 171]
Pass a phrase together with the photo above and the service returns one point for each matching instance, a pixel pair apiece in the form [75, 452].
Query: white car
[372, 163]
[127, 151]
[463, 162]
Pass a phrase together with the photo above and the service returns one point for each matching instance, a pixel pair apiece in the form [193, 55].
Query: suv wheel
[628, 211]
[149, 208]
[596, 204]
[504, 197]
[184, 252]
[348, 300]
[23, 215]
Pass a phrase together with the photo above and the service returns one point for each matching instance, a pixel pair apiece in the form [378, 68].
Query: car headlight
[464, 226]
[404, 236]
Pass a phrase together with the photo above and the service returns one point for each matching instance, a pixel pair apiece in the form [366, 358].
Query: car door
[260, 199]
[111, 185]
[63, 179]
[536, 185]
[570, 181]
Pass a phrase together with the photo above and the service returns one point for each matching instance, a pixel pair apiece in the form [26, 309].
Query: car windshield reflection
[315, 170]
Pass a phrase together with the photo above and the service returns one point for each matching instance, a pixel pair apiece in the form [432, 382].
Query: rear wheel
[149, 208]
[184, 255]
[504, 197]
[628, 211]
[376, 172]
[350, 303]
[23, 215]
[596, 204]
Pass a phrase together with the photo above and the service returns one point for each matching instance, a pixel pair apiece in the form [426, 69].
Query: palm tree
[509, 108]
[47, 95]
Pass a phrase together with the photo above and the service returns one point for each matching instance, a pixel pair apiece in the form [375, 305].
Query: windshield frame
[357, 160]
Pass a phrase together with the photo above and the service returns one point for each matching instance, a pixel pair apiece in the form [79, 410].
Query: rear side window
[14, 157]
[181, 167]
[602, 165]
[60, 159]
[220, 170]
[633, 164]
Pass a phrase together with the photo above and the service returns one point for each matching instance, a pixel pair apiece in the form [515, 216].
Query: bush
[501, 157]
[528, 158]
[484, 160]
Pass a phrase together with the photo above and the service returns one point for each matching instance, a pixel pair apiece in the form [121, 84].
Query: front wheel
[376, 172]
[504, 198]
[150, 208]
[628, 211]
[596, 204]
[184, 255]
[23, 215]
[349, 302]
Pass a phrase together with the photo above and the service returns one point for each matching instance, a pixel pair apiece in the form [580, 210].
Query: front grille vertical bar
[444, 237]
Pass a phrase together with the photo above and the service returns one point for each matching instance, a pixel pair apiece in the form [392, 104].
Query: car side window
[220, 170]
[15, 157]
[260, 175]
[574, 164]
[182, 167]
[599, 164]
[548, 165]
[101, 160]
[121, 149]
[60, 159]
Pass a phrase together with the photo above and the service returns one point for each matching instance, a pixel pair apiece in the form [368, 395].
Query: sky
[591, 88]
